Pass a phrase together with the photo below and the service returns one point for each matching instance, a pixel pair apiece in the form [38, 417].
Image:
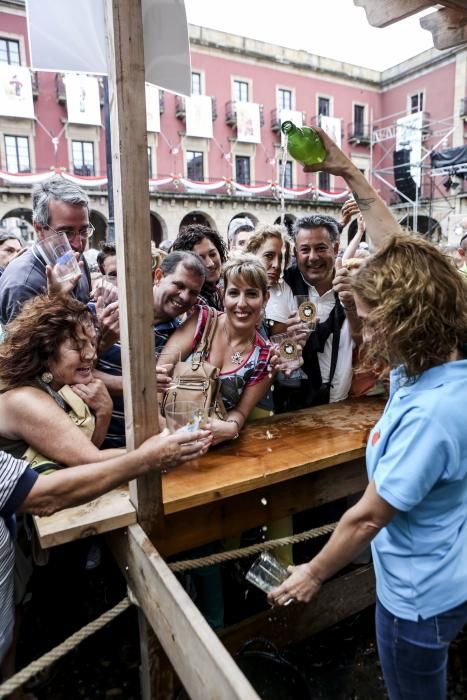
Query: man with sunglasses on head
[59, 206]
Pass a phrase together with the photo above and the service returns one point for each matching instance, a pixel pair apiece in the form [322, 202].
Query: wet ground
[339, 664]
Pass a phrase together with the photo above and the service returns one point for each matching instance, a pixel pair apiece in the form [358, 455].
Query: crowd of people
[62, 426]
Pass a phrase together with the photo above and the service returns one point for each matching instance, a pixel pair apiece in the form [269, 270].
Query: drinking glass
[266, 573]
[185, 416]
[106, 288]
[58, 253]
[307, 310]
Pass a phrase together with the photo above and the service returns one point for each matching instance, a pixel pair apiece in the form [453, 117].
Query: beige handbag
[197, 380]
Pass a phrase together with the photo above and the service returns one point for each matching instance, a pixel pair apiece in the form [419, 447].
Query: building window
[242, 169]
[149, 161]
[359, 120]
[17, 154]
[287, 175]
[324, 106]
[416, 102]
[83, 157]
[195, 165]
[196, 84]
[324, 181]
[9, 52]
[284, 99]
[241, 91]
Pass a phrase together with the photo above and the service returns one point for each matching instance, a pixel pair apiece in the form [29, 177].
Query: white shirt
[281, 303]
[343, 375]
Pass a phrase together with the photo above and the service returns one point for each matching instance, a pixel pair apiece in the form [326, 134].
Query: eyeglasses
[84, 233]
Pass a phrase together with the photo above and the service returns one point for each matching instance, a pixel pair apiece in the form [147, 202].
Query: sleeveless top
[252, 371]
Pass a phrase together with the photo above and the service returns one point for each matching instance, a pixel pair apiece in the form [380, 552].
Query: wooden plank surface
[228, 483]
[108, 512]
[341, 597]
[202, 663]
[274, 450]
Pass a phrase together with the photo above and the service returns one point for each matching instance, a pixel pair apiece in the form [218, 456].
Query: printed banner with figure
[82, 99]
[248, 122]
[409, 135]
[198, 116]
[332, 126]
[153, 110]
[16, 92]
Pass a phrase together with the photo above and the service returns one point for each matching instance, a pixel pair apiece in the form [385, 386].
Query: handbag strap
[204, 345]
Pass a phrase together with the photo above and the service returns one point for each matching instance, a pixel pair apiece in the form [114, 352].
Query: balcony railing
[231, 113]
[276, 119]
[60, 88]
[180, 109]
[359, 134]
[463, 108]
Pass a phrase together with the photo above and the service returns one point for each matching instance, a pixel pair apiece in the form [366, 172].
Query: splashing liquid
[283, 169]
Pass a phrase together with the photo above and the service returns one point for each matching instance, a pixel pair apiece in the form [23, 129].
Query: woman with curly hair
[413, 306]
[46, 378]
[210, 247]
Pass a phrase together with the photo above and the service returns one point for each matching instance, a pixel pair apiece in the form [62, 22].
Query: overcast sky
[333, 28]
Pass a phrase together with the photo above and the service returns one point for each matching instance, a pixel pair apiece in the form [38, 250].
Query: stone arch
[197, 217]
[289, 221]
[158, 228]
[19, 221]
[99, 221]
[426, 226]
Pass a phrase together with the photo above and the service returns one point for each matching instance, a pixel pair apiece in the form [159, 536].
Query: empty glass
[58, 253]
[289, 352]
[106, 289]
[185, 416]
[266, 573]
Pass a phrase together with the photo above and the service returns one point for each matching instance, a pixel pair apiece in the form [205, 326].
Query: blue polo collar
[430, 379]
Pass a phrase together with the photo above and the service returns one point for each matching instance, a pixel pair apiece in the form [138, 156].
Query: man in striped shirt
[22, 490]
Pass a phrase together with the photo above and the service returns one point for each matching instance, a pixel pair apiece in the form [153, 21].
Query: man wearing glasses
[59, 206]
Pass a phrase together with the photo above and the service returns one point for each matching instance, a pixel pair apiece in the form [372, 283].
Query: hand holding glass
[57, 252]
[267, 573]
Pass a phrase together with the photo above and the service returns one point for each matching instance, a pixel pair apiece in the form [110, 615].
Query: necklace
[237, 356]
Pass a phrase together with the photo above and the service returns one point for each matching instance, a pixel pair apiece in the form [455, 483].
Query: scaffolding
[435, 134]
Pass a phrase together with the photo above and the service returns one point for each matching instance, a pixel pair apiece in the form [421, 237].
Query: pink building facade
[213, 179]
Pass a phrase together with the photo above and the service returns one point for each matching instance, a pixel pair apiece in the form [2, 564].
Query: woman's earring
[46, 377]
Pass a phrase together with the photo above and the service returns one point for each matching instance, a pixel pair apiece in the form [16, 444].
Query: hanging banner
[153, 111]
[409, 136]
[65, 35]
[198, 116]
[16, 92]
[248, 122]
[82, 99]
[333, 127]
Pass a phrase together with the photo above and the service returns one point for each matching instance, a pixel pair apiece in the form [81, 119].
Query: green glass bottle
[304, 144]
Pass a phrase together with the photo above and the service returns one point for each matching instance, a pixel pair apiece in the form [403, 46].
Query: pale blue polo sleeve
[418, 454]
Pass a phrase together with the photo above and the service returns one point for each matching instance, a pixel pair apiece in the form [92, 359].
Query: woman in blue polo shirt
[413, 305]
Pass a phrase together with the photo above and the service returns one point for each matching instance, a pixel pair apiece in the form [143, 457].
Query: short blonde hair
[248, 267]
[265, 231]
[417, 301]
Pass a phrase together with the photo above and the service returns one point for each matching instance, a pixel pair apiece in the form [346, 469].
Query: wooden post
[132, 236]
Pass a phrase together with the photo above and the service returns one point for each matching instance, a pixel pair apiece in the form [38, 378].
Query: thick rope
[48, 659]
[57, 652]
[253, 549]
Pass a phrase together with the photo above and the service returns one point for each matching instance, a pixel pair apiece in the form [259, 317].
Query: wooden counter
[279, 465]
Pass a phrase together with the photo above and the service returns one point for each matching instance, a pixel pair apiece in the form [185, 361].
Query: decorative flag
[153, 114]
[248, 122]
[198, 116]
[333, 127]
[82, 99]
[16, 92]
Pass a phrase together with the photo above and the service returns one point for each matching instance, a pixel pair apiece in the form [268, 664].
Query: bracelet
[234, 420]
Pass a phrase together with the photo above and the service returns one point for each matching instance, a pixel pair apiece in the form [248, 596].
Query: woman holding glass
[413, 306]
[237, 350]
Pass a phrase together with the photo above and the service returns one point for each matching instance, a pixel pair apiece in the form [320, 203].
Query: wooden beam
[382, 14]
[205, 668]
[448, 27]
[339, 598]
[234, 515]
